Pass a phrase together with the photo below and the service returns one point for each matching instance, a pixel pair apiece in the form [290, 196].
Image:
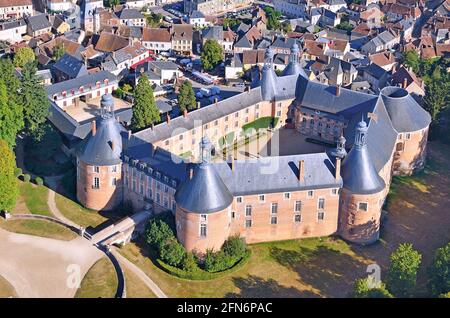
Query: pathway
[139, 273]
[41, 267]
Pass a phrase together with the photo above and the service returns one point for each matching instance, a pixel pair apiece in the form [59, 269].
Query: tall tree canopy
[273, 18]
[11, 117]
[58, 51]
[411, 59]
[23, 56]
[8, 182]
[362, 289]
[439, 272]
[436, 97]
[212, 54]
[186, 97]
[35, 101]
[402, 274]
[145, 111]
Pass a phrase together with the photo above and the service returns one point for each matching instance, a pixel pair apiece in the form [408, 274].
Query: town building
[214, 7]
[15, 9]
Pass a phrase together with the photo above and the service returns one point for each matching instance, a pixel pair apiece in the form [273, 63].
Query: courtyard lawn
[99, 281]
[78, 214]
[135, 287]
[32, 198]
[38, 228]
[417, 212]
[6, 289]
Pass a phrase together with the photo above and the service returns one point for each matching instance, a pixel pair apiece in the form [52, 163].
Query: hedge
[261, 123]
[201, 274]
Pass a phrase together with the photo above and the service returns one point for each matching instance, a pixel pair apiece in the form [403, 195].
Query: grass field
[32, 198]
[135, 287]
[6, 290]
[99, 282]
[78, 214]
[38, 228]
[417, 212]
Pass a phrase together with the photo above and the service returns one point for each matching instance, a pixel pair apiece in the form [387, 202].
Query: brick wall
[410, 152]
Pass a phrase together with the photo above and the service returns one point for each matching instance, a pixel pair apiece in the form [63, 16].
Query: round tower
[99, 164]
[411, 122]
[362, 194]
[294, 67]
[203, 213]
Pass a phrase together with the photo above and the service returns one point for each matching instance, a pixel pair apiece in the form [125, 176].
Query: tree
[402, 274]
[36, 101]
[362, 289]
[11, 117]
[439, 271]
[173, 252]
[212, 54]
[145, 112]
[23, 56]
[436, 97]
[154, 20]
[273, 18]
[127, 88]
[186, 97]
[111, 3]
[10, 79]
[190, 262]
[230, 23]
[8, 182]
[158, 232]
[286, 27]
[411, 59]
[58, 51]
[235, 246]
[345, 25]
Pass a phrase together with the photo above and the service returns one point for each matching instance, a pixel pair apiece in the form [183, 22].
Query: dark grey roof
[254, 176]
[163, 65]
[38, 22]
[205, 192]
[358, 171]
[126, 14]
[375, 70]
[76, 83]
[196, 15]
[213, 33]
[243, 42]
[105, 147]
[294, 67]
[285, 43]
[71, 66]
[406, 115]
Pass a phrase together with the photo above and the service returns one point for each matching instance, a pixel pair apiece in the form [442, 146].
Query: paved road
[38, 267]
[139, 273]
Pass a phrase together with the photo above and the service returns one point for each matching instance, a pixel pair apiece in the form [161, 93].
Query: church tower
[362, 195]
[99, 164]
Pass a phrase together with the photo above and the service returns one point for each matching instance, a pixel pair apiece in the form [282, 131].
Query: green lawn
[35, 198]
[38, 228]
[6, 289]
[135, 287]
[417, 212]
[78, 214]
[261, 123]
[99, 281]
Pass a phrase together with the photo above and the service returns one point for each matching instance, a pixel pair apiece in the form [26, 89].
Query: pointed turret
[358, 172]
[205, 192]
[294, 68]
[268, 77]
[339, 151]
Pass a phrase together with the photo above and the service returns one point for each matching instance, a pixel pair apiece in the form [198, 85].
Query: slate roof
[76, 83]
[70, 66]
[128, 14]
[38, 22]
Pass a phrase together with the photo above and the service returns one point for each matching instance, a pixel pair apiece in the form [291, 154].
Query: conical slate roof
[294, 68]
[104, 148]
[405, 113]
[358, 172]
[205, 192]
[268, 77]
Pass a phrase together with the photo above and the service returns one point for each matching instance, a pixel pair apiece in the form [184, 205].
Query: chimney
[338, 90]
[112, 145]
[215, 101]
[337, 169]
[405, 83]
[93, 128]
[301, 171]
[191, 173]
[118, 119]
[168, 119]
[232, 164]
[185, 112]
[198, 105]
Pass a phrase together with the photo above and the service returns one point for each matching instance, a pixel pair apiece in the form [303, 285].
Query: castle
[337, 191]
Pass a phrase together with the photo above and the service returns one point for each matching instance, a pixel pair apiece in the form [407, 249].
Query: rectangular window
[96, 169]
[334, 191]
[261, 197]
[297, 218]
[274, 208]
[273, 220]
[239, 199]
[96, 184]
[321, 204]
[310, 193]
[363, 206]
[158, 198]
[320, 215]
[298, 206]
[248, 223]
[233, 214]
[114, 182]
[248, 210]
[114, 169]
[202, 230]
[149, 193]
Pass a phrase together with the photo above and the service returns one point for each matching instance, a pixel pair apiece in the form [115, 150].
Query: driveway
[40, 267]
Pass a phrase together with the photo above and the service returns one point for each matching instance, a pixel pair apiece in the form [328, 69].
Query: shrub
[235, 247]
[17, 172]
[26, 177]
[39, 181]
[172, 252]
[190, 263]
[439, 271]
[362, 289]
[217, 262]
